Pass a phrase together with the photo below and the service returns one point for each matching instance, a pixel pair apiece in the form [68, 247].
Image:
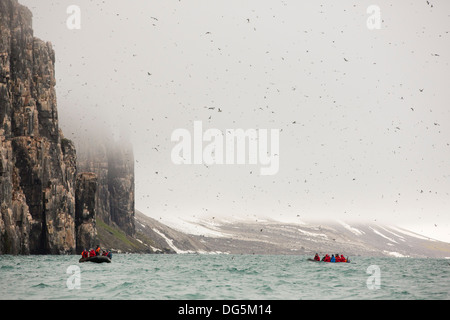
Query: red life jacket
[327, 258]
[317, 258]
[92, 253]
[84, 254]
[338, 259]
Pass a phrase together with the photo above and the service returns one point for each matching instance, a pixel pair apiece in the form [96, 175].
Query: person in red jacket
[338, 258]
[326, 258]
[343, 258]
[84, 254]
[92, 253]
[316, 257]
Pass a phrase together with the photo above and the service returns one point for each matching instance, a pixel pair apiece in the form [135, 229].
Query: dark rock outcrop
[15, 217]
[113, 162]
[38, 166]
[85, 204]
[121, 187]
[45, 208]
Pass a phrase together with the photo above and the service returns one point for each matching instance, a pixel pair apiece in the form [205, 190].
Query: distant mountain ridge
[273, 237]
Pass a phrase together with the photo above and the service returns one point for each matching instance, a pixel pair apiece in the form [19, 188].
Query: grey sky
[364, 114]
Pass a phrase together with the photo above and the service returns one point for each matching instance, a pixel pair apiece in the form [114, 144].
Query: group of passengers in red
[333, 258]
[97, 252]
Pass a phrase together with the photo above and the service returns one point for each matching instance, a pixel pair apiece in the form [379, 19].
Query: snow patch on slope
[312, 234]
[353, 230]
[411, 234]
[397, 235]
[170, 242]
[395, 254]
[382, 235]
[199, 227]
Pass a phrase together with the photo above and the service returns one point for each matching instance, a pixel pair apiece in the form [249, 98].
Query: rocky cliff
[85, 211]
[53, 199]
[113, 163]
[38, 166]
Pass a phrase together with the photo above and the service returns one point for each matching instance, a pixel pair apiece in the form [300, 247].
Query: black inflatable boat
[96, 259]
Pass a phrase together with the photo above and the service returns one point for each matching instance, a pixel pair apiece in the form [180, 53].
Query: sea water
[222, 276]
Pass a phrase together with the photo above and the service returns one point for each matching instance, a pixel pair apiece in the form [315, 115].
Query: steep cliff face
[37, 165]
[45, 207]
[85, 206]
[121, 187]
[15, 219]
[113, 162]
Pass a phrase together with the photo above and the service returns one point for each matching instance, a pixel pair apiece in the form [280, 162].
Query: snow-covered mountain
[273, 237]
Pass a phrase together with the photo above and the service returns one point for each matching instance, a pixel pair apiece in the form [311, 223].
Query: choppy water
[229, 277]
